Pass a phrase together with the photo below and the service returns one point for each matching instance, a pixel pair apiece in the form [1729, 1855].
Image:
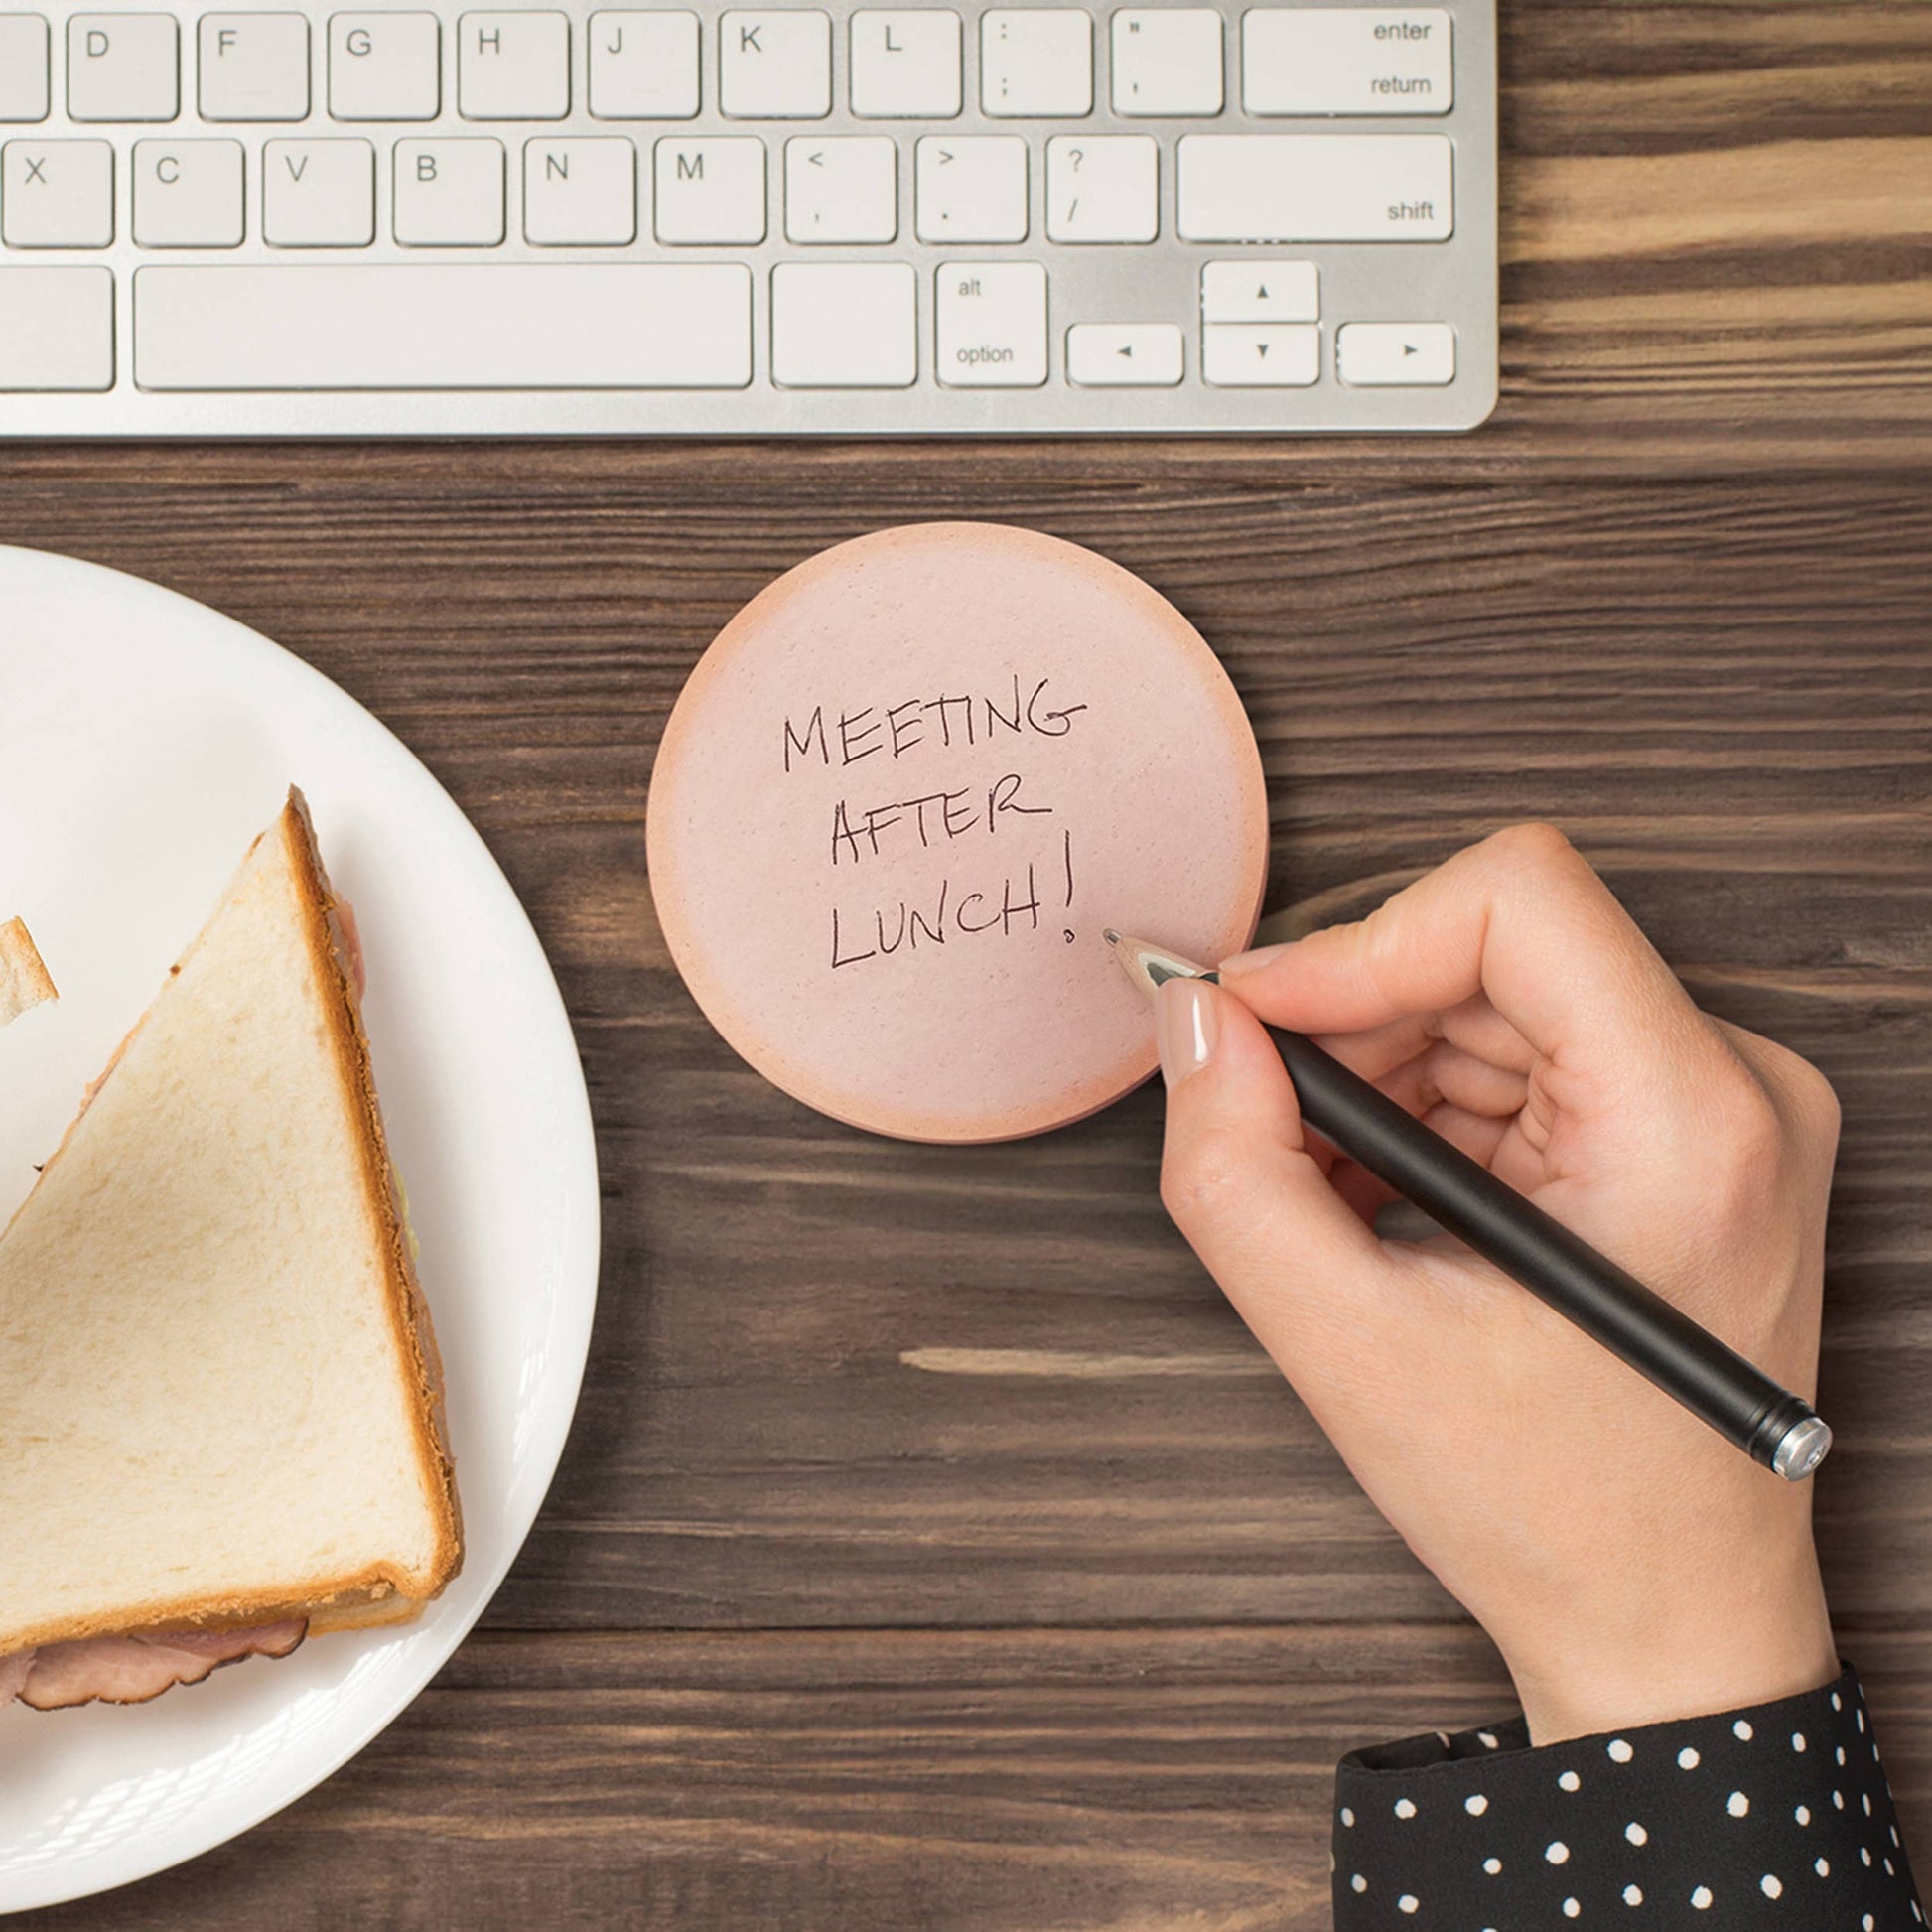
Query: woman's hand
[1630, 1565]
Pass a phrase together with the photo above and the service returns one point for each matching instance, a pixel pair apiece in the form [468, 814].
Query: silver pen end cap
[1805, 1445]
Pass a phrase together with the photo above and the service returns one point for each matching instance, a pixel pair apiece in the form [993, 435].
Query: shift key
[1317, 187]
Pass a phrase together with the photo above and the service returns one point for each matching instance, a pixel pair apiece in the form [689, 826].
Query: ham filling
[133, 1668]
[351, 948]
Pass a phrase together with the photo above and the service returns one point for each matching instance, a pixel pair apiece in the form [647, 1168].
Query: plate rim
[577, 1139]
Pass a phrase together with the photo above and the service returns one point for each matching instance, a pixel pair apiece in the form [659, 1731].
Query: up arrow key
[1260, 292]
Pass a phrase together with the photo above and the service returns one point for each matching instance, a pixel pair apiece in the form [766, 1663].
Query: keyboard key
[845, 188]
[57, 329]
[123, 67]
[57, 195]
[1316, 187]
[844, 326]
[188, 194]
[318, 195]
[385, 67]
[1167, 60]
[254, 68]
[1396, 354]
[1260, 355]
[1347, 61]
[1036, 64]
[775, 65]
[579, 194]
[991, 331]
[1102, 188]
[710, 190]
[1259, 291]
[643, 67]
[1124, 354]
[449, 193]
[972, 188]
[513, 67]
[492, 326]
[24, 93]
[905, 64]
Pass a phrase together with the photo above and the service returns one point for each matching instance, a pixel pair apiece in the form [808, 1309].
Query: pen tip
[1110, 935]
[1148, 965]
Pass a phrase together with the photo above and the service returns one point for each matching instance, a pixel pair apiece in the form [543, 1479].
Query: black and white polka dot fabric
[1775, 1816]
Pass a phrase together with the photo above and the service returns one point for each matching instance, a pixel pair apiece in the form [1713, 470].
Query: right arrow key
[1396, 354]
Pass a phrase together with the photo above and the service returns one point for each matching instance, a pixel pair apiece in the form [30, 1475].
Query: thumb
[1300, 1267]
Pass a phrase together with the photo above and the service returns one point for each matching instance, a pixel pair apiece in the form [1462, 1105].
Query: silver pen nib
[1150, 966]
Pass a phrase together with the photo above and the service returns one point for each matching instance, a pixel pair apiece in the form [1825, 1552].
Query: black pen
[1660, 1341]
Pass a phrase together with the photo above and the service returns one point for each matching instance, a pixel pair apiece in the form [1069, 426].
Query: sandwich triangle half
[221, 1398]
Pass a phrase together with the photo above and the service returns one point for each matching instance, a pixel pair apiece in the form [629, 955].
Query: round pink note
[902, 795]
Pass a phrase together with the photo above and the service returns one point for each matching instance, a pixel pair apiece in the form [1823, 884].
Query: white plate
[144, 741]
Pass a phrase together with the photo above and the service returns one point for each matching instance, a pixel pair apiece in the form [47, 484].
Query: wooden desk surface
[986, 1577]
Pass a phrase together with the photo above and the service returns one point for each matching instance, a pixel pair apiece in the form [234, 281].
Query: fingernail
[1188, 1028]
[1251, 962]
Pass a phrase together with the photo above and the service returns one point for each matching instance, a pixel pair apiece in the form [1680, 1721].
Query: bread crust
[24, 980]
[328, 1601]
[408, 1307]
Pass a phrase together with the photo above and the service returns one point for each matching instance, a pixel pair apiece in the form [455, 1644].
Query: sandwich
[221, 1415]
[23, 979]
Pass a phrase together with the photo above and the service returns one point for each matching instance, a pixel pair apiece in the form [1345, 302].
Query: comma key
[992, 330]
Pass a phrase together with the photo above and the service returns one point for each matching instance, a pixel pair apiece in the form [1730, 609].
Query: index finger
[1520, 918]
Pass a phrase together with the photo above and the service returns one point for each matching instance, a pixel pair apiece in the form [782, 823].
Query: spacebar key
[509, 325]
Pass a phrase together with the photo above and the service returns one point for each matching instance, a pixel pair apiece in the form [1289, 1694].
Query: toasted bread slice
[23, 978]
[221, 1398]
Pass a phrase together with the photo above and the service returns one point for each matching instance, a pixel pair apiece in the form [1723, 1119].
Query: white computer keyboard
[745, 221]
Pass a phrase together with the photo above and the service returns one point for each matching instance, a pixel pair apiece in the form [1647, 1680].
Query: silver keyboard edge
[1454, 281]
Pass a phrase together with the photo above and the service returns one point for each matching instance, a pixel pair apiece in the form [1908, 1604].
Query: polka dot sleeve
[1779, 1815]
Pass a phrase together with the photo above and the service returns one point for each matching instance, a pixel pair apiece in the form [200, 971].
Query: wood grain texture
[990, 1781]
[934, 1548]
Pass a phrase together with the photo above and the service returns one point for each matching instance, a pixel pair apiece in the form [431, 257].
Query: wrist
[1688, 1660]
